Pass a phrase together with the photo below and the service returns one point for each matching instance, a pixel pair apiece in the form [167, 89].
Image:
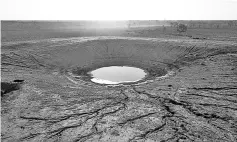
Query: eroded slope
[197, 103]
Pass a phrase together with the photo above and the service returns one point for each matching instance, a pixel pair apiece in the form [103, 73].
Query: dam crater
[80, 59]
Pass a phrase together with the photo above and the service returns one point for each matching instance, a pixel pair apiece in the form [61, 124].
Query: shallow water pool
[117, 75]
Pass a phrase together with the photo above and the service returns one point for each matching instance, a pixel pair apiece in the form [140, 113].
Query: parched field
[190, 94]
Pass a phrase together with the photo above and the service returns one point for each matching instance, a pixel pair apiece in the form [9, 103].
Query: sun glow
[107, 24]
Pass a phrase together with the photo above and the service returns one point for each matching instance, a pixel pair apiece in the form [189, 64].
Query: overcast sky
[118, 9]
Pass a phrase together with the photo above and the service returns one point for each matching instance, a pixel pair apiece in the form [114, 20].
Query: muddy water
[117, 74]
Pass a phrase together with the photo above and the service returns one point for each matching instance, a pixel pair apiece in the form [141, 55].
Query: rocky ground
[42, 101]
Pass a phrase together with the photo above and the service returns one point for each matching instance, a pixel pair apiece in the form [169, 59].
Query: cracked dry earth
[196, 103]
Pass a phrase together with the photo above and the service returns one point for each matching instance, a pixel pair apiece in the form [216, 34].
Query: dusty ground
[197, 101]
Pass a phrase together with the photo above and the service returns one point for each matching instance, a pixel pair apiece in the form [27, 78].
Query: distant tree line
[217, 24]
[206, 24]
[213, 24]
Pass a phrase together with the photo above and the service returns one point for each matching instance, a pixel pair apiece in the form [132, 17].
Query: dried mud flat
[197, 102]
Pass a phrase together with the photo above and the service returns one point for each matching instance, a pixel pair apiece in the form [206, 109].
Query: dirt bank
[196, 103]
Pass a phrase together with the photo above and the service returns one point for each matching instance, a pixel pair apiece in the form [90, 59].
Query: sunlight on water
[117, 74]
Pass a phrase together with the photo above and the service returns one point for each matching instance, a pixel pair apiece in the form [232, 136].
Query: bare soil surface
[194, 100]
